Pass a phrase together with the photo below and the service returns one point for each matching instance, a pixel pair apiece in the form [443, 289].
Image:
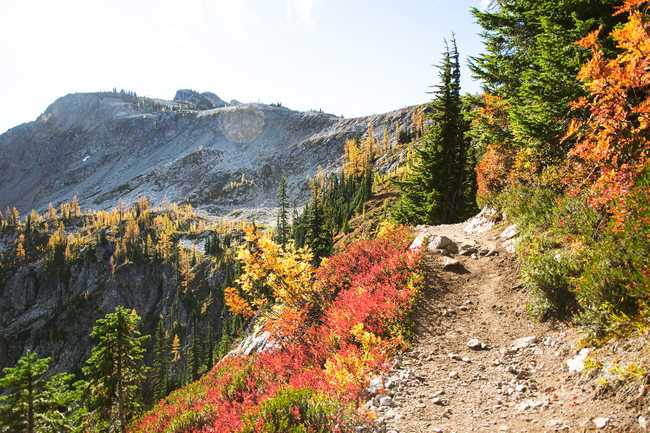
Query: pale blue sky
[350, 57]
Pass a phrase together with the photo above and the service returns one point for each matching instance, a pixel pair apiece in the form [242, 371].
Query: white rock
[439, 243]
[643, 422]
[482, 222]
[438, 401]
[454, 356]
[386, 401]
[475, 344]
[601, 422]
[509, 232]
[531, 404]
[577, 363]
[375, 385]
[453, 374]
[523, 342]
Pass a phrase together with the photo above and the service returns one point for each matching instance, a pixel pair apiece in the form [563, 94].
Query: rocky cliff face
[223, 158]
[53, 314]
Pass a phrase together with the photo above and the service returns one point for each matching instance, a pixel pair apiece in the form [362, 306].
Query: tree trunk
[30, 405]
[120, 394]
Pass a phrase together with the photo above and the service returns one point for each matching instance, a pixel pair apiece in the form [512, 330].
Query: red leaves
[367, 293]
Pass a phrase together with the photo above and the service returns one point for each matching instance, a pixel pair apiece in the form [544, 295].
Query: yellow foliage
[270, 274]
[20, 247]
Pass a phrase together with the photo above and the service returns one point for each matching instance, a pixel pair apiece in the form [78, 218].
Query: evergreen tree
[115, 370]
[432, 191]
[530, 64]
[161, 362]
[30, 403]
[209, 358]
[196, 352]
[318, 235]
[283, 220]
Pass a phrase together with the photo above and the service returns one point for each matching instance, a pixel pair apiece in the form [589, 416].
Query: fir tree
[283, 220]
[115, 370]
[432, 191]
[530, 63]
[196, 350]
[30, 403]
[161, 362]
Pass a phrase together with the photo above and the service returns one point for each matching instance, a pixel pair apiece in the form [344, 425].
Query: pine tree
[115, 370]
[30, 403]
[531, 63]
[196, 352]
[209, 358]
[432, 190]
[161, 362]
[318, 235]
[283, 220]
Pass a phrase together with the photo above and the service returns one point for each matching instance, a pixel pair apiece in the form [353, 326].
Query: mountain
[225, 158]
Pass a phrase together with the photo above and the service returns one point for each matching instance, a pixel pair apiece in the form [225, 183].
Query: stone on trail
[453, 265]
[577, 363]
[601, 422]
[523, 342]
[557, 425]
[476, 344]
[386, 401]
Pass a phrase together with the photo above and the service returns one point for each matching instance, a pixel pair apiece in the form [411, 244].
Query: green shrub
[295, 411]
[581, 263]
[238, 382]
[548, 274]
[192, 420]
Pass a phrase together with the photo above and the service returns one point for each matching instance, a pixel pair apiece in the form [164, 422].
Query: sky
[347, 57]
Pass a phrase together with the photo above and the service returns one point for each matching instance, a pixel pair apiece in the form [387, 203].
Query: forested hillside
[325, 321]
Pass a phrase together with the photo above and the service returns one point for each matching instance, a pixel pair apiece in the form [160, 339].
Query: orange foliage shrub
[612, 144]
[492, 172]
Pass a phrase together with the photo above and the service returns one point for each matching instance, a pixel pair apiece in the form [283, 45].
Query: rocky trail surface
[480, 363]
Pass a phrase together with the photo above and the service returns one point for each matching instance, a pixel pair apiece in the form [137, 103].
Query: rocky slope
[49, 305]
[222, 157]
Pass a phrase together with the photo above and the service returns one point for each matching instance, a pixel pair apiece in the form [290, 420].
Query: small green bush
[238, 382]
[192, 420]
[581, 263]
[295, 411]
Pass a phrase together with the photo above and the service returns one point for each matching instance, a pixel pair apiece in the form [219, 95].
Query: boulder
[453, 265]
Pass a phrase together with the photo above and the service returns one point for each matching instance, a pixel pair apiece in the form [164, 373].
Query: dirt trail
[510, 385]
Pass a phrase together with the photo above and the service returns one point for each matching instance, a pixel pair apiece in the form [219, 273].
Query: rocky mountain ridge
[226, 158]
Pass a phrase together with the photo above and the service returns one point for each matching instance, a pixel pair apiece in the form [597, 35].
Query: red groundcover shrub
[314, 379]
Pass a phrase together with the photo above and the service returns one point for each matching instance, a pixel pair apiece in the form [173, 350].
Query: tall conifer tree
[283, 210]
[115, 370]
[432, 191]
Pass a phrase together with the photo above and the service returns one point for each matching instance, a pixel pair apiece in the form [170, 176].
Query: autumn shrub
[366, 294]
[615, 281]
[192, 420]
[492, 173]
